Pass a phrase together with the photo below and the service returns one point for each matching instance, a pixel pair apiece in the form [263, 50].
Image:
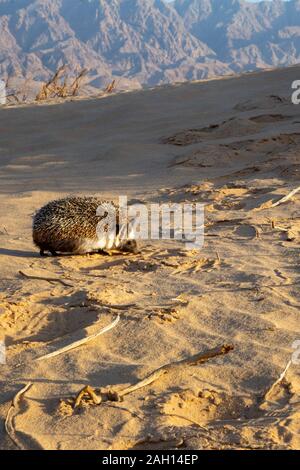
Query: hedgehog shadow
[36, 254]
[19, 253]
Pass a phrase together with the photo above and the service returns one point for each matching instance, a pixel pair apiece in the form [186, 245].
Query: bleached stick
[278, 381]
[9, 426]
[77, 344]
[199, 358]
[285, 198]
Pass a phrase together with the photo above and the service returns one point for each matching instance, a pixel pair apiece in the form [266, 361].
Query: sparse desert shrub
[58, 86]
[110, 87]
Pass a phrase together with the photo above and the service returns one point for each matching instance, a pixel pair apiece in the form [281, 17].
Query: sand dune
[232, 144]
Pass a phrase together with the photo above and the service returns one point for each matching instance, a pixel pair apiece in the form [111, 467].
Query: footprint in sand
[208, 407]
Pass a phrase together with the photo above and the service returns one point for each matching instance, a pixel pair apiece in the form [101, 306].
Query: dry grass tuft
[110, 87]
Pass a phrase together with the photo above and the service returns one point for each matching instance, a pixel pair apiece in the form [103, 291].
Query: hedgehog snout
[130, 246]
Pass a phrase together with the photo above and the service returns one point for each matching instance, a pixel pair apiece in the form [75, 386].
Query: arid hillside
[146, 42]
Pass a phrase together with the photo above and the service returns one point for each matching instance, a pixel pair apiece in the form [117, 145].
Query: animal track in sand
[194, 266]
[234, 197]
[109, 295]
[142, 266]
[213, 410]
[208, 407]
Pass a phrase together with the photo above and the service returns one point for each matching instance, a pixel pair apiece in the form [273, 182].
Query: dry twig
[110, 88]
[290, 235]
[46, 278]
[278, 381]
[112, 395]
[118, 306]
[286, 198]
[77, 344]
[13, 410]
[51, 87]
[77, 82]
[54, 87]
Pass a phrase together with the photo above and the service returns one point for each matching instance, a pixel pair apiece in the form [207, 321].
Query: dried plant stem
[13, 410]
[290, 235]
[110, 88]
[46, 278]
[77, 344]
[286, 198]
[278, 381]
[90, 392]
[58, 88]
[76, 84]
[118, 307]
[52, 86]
[197, 359]
[282, 229]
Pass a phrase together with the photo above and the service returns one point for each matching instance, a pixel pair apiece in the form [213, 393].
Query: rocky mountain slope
[146, 42]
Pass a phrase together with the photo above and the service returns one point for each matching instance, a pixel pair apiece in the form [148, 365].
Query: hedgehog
[71, 226]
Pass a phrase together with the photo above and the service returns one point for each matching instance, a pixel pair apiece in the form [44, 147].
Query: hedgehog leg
[42, 253]
[53, 253]
[104, 252]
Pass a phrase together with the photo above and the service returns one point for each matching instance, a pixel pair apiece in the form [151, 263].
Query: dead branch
[286, 198]
[118, 306]
[77, 344]
[54, 80]
[91, 393]
[290, 234]
[51, 87]
[12, 412]
[46, 278]
[77, 82]
[110, 87]
[14, 96]
[112, 395]
[20, 96]
[54, 88]
[278, 381]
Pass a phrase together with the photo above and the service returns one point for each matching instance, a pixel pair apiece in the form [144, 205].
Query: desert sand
[232, 144]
